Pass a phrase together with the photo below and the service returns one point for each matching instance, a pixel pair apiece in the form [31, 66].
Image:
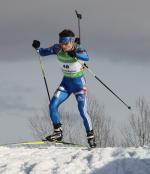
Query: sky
[115, 34]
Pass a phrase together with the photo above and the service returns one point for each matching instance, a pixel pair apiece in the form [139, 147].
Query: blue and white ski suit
[72, 82]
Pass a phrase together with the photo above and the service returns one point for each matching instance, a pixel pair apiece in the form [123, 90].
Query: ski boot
[57, 134]
[91, 139]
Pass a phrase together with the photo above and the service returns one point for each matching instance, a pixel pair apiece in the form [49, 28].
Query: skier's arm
[82, 55]
[79, 53]
[49, 51]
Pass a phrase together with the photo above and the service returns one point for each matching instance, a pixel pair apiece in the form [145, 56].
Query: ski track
[73, 160]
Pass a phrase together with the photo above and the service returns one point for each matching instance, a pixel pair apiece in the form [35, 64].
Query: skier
[72, 56]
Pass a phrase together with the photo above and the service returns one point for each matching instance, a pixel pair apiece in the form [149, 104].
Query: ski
[56, 143]
[68, 144]
[45, 142]
[63, 143]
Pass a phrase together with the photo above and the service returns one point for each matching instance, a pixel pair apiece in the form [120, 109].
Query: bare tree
[102, 124]
[73, 129]
[138, 131]
[41, 125]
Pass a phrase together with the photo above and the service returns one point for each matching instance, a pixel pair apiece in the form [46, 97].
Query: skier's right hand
[36, 44]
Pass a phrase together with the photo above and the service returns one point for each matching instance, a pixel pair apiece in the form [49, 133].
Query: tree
[138, 131]
[41, 126]
[102, 124]
[75, 133]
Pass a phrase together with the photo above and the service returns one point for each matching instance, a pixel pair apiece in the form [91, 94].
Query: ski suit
[72, 82]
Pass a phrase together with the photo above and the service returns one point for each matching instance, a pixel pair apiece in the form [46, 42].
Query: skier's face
[67, 46]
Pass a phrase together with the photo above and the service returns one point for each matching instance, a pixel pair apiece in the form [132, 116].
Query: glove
[72, 53]
[77, 40]
[36, 44]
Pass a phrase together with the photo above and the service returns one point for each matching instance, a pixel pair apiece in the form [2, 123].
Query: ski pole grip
[79, 16]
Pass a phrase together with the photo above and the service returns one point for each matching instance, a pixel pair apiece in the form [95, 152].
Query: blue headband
[66, 39]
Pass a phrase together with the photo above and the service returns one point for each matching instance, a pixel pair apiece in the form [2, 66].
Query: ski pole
[97, 78]
[79, 16]
[43, 73]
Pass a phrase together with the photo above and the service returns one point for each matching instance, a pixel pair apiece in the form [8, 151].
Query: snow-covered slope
[73, 160]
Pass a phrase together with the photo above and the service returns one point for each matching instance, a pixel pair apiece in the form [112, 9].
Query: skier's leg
[59, 97]
[82, 106]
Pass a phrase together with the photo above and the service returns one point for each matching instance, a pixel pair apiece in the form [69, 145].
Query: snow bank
[73, 160]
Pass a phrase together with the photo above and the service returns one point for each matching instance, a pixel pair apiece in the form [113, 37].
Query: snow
[47, 159]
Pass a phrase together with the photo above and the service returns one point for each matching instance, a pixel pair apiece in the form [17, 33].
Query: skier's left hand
[72, 53]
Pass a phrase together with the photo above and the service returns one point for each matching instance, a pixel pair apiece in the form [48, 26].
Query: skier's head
[66, 39]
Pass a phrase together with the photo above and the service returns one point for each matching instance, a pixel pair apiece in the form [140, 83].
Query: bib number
[66, 66]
